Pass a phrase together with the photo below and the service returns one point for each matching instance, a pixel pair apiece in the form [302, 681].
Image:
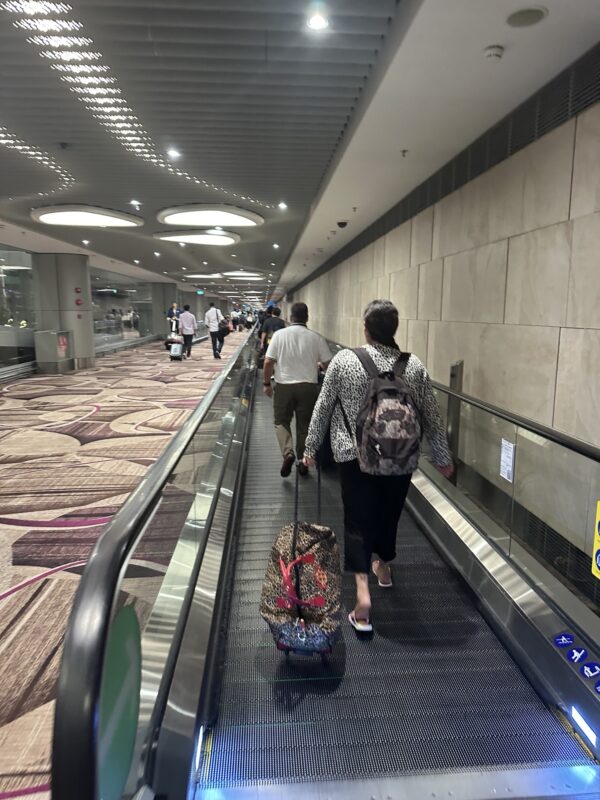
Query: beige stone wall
[505, 274]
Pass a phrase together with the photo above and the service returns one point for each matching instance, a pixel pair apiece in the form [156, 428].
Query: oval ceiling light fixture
[208, 276]
[527, 17]
[208, 215]
[211, 237]
[242, 273]
[85, 216]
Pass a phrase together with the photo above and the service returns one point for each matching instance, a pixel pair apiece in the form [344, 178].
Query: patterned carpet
[72, 448]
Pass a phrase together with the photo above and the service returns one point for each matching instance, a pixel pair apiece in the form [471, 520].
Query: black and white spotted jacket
[346, 382]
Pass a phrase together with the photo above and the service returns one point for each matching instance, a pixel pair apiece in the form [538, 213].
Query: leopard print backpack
[301, 594]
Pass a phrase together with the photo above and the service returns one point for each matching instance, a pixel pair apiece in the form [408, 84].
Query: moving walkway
[470, 686]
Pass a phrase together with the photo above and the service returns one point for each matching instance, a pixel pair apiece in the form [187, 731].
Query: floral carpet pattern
[72, 448]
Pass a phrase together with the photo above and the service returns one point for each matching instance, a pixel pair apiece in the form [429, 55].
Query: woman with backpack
[378, 403]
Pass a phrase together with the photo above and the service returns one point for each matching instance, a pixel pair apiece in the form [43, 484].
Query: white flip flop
[383, 585]
[359, 625]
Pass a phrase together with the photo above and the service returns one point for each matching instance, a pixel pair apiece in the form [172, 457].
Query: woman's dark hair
[186, 308]
[381, 320]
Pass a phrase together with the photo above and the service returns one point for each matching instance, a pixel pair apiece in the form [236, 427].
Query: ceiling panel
[255, 102]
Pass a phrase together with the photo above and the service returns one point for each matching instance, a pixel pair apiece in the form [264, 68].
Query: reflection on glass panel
[122, 308]
[160, 568]
[17, 318]
[556, 494]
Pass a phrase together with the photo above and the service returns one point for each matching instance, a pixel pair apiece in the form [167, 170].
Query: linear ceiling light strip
[87, 78]
[12, 142]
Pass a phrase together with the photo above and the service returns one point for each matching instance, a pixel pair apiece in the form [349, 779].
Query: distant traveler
[173, 316]
[211, 319]
[271, 324]
[294, 355]
[188, 327]
[373, 501]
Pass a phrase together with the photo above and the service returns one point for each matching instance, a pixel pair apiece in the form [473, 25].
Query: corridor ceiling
[254, 101]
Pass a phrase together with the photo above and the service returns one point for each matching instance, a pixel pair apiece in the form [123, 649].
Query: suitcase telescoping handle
[297, 494]
[294, 561]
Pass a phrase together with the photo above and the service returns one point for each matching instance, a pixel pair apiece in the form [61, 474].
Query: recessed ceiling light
[527, 17]
[210, 216]
[157, 254]
[87, 216]
[173, 154]
[282, 206]
[184, 269]
[271, 263]
[136, 261]
[135, 203]
[276, 246]
[233, 255]
[317, 21]
[205, 263]
[212, 236]
[85, 242]
[214, 275]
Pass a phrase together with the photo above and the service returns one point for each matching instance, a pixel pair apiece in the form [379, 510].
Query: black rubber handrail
[75, 740]
[562, 439]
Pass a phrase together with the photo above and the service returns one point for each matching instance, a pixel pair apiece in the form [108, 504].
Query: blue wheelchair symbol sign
[564, 640]
[597, 687]
[591, 670]
[577, 654]
[597, 557]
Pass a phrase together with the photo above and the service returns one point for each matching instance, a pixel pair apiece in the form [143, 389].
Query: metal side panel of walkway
[432, 693]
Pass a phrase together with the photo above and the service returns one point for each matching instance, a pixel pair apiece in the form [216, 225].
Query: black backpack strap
[400, 365]
[366, 360]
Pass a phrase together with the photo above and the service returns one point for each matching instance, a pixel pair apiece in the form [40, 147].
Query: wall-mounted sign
[200, 291]
[577, 654]
[507, 460]
[564, 640]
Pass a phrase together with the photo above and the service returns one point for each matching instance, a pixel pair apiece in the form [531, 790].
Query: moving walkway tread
[433, 690]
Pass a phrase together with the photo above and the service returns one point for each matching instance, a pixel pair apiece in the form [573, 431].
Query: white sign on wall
[507, 460]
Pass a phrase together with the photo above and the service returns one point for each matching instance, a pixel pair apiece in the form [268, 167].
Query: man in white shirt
[188, 327]
[294, 355]
[211, 319]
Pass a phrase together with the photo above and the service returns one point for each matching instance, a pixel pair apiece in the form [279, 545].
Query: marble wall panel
[417, 334]
[365, 263]
[517, 369]
[397, 248]
[383, 287]
[584, 283]
[474, 284]
[511, 366]
[586, 167]
[538, 276]
[422, 237]
[379, 247]
[547, 172]
[430, 290]
[577, 409]
[449, 342]
[404, 292]
[529, 190]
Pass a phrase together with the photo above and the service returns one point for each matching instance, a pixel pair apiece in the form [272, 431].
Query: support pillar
[63, 301]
